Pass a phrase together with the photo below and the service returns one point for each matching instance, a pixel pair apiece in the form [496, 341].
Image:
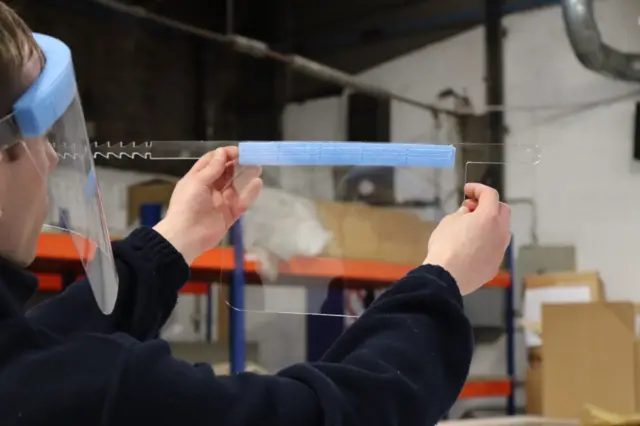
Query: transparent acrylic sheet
[308, 255]
[75, 205]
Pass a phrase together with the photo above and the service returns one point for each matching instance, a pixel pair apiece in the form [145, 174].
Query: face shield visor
[48, 119]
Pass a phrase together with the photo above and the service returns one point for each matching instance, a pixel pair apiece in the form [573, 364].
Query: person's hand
[470, 243]
[207, 201]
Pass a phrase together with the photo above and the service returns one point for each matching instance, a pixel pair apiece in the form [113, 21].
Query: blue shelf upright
[236, 302]
[510, 327]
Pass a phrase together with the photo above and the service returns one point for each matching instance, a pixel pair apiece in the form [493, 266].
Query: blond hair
[17, 47]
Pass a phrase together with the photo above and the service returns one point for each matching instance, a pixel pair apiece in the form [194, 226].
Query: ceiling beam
[422, 18]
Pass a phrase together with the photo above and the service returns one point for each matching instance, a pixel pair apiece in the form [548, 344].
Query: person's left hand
[207, 201]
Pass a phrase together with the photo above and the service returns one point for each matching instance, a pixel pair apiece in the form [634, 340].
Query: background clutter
[556, 331]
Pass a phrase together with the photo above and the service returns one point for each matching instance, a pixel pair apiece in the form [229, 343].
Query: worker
[76, 360]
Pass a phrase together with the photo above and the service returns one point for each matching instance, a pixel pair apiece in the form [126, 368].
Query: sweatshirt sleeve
[150, 273]
[403, 363]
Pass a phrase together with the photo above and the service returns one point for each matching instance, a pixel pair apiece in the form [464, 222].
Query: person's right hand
[470, 243]
[207, 201]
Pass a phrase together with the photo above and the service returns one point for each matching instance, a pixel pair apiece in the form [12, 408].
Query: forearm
[154, 271]
[150, 273]
[406, 359]
[403, 363]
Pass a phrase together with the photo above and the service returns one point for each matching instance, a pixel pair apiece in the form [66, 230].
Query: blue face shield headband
[48, 122]
[47, 99]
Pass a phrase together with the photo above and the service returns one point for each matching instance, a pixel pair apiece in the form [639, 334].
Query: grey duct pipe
[259, 49]
[588, 46]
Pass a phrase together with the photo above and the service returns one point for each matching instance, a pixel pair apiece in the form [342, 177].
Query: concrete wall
[584, 184]
[583, 187]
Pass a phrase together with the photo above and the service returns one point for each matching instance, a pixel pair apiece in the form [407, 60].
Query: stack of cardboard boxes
[358, 231]
[374, 233]
[584, 352]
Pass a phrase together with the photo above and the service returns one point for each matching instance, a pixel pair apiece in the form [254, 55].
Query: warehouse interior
[539, 97]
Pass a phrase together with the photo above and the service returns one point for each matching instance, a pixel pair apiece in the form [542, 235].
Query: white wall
[321, 119]
[585, 184]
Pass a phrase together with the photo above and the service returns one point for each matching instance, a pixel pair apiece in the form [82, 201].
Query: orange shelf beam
[60, 247]
[53, 282]
[49, 282]
[485, 389]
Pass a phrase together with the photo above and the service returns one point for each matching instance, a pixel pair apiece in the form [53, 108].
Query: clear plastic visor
[63, 161]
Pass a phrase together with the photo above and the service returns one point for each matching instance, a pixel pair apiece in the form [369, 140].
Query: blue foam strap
[50, 95]
[293, 153]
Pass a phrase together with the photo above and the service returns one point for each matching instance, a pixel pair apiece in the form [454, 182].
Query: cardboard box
[375, 233]
[152, 191]
[591, 355]
[540, 290]
[509, 421]
[596, 416]
[533, 382]
[553, 288]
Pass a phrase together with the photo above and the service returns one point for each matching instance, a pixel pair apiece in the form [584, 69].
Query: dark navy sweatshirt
[402, 363]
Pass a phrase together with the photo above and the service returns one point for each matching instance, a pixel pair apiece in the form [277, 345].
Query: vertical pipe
[201, 73]
[150, 214]
[510, 327]
[209, 315]
[494, 76]
[231, 17]
[236, 300]
[495, 172]
[201, 125]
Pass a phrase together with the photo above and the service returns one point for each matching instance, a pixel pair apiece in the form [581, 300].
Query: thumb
[210, 167]
[467, 206]
[470, 204]
[462, 210]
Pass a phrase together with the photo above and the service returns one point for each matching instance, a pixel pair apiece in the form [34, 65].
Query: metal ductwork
[588, 46]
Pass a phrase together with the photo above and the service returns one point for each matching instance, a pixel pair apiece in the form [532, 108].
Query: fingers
[470, 204]
[504, 218]
[212, 165]
[487, 198]
[250, 194]
[245, 176]
[230, 154]
[209, 167]
[505, 211]
[240, 201]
